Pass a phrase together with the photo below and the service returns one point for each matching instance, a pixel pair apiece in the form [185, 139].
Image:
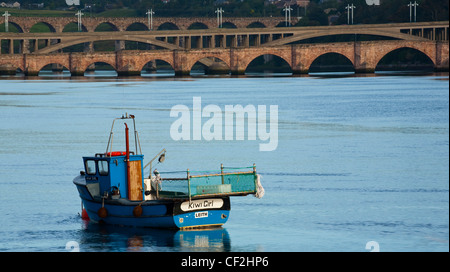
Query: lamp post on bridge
[6, 21]
[287, 14]
[150, 13]
[219, 12]
[410, 5]
[79, 14]
[348, 8]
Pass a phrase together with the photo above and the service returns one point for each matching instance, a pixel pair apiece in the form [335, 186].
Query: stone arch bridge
[363, 55]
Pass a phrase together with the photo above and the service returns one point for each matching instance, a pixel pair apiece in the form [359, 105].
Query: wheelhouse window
[91, 168]
[103, 168]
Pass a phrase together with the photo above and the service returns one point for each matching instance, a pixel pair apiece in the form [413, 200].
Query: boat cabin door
[135, 189]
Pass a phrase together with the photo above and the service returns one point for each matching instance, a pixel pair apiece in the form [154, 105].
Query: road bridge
[217, 37]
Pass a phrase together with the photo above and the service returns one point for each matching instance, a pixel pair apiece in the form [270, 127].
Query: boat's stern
[202, 213]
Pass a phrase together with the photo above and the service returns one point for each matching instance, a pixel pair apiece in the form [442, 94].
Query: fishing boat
[114, 190]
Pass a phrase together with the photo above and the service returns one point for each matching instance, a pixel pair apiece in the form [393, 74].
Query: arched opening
[73, 27]
[228, 25]
[332, 62]
[197, 25]
[268, 65]
[42, 27]
[210, 66]
[284, 24]
[12, 27]
[256, 25]
[54, 70]
[100, 69]
[405, 59]
[137, 27]
[168, 26]
[106, 27]
[157, 68]
[107, 45]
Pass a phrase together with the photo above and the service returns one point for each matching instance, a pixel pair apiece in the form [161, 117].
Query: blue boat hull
[171, 213]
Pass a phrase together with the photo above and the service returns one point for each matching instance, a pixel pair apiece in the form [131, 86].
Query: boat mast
[136, 135]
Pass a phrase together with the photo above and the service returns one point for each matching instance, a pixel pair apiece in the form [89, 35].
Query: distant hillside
[319, 12]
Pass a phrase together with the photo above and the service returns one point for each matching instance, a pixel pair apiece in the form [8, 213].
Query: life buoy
[116, 153]
[137, 211]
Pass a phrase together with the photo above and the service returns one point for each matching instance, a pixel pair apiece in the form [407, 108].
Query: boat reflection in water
[102, 237]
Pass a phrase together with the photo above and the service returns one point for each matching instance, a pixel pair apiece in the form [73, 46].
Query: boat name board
[200, 204]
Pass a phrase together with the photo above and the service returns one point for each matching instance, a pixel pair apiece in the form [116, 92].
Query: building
[282, 3]
[15, 5]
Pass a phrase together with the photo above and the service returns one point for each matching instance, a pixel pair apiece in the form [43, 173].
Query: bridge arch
[37, 27]
[95, 64]
[268, 63]
[99, 60]
[17, 24]
[137, 26]
[331, 62]
[13, 24]
[141, 62]
[228, 24]
[284, 55]
[384, 51]
[197, 25]
[256, 24]
[213, 65]
[105, 25]
[45, 63]
[154, 67]
[207, 59]
[73, 27]
[56, 66]
[346, 51]
[408, 54]
[168, 26]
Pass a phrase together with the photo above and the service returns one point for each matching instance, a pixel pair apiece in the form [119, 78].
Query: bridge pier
[77, 73]
[7, 70]
[129, 73]
[31, 73]
[363, 69]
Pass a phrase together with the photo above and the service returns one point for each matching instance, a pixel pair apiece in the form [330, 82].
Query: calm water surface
[359, 159]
